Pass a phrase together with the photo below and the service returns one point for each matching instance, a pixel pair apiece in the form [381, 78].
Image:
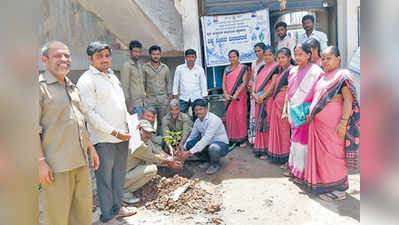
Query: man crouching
[144, 163]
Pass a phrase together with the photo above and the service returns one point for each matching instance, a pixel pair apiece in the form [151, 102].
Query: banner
[240, 31]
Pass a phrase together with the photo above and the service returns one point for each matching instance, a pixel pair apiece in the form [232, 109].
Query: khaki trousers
[68, 200]
[139, 176]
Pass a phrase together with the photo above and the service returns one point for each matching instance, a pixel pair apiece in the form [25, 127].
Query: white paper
[135, 139]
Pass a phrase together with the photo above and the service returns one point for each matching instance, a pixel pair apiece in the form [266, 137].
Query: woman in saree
[262, 92]
[235, 93]
[316, 51]
[279, 135]
[333, 130]
[259, 52]
[301, 83]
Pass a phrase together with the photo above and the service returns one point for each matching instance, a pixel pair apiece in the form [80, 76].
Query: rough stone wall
[165, 16]
[67, 21]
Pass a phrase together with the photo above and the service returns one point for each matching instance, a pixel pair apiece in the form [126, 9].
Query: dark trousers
[185, 105]
[212, 153]
[110, 177]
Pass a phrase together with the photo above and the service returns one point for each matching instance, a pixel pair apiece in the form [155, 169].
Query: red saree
[236, 114]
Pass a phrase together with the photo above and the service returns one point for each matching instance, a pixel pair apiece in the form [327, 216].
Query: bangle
[42, 158]
[344, 119]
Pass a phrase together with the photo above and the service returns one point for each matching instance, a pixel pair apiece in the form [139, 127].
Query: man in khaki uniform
[132, 79]
[63, 160]
[177, 121]
[157, 83]
[143, 162]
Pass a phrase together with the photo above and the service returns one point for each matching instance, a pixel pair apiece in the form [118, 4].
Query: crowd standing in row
[303, 114]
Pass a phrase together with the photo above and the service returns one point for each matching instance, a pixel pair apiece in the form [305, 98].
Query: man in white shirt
[190, 80]
[285, 41]
[310, 32]
[104, 107]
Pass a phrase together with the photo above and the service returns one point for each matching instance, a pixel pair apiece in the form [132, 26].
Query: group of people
[112, 126]
[300, 113]
[304, 112]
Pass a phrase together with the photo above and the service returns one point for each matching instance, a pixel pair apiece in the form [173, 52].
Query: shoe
[126, 211]
[130, 198]
[243, 145]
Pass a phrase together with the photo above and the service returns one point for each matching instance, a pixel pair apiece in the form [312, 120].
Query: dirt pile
[161, 192]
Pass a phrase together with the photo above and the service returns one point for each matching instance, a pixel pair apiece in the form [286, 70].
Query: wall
[347, 28]
[67, 21]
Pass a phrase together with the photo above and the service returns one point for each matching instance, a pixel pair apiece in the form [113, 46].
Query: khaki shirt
[63, 131]
[133, 83]
[144, 155]
[182, 123]
[156, 82]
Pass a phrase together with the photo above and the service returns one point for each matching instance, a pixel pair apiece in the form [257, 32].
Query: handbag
[298, 114]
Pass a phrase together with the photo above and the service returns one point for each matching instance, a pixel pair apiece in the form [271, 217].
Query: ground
[254, 192]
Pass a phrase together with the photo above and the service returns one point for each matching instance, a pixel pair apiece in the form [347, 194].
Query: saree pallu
[279, 135]
[262, 111]
[330, 156]
[300, 90]
[236, 114]
[251, 125]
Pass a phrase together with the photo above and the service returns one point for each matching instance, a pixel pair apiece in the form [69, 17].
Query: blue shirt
[211, 129]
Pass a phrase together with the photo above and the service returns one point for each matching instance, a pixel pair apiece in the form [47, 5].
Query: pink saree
[236, 114]
[262, 118]
[300, 90]
[279, 135]
[329, 155]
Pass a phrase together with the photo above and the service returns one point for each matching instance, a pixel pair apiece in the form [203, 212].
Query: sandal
[204, 165]
[284, 166]
[263, 157]
[288, 174]
[330, 197]
[212, 169]
[126, 211]
[298, 180]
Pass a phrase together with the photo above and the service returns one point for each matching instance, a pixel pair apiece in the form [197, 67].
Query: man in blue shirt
[208, 139]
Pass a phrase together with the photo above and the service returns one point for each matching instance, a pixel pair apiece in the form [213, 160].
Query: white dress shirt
[191, 83]
[318, 35]
[210, 129]
[103, 104]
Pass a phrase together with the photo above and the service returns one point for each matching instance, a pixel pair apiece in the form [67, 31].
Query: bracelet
[344, 118]
[42, 158]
